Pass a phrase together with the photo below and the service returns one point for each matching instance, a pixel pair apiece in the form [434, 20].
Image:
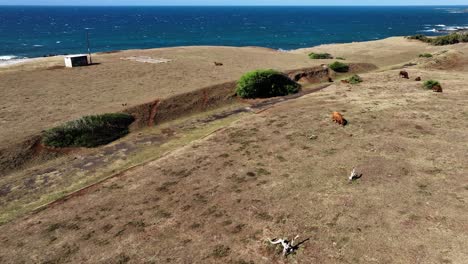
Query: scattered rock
[218, 63]
[418, 79]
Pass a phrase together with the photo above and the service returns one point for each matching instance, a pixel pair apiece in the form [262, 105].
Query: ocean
[27, 32]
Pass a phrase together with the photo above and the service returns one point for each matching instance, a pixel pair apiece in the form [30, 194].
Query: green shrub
[339, 66]
[429, 84]
[463, 37]
[340, 58]
[449, 39]
[425, 55]
[322, 56]
[89, 131]
[355, 79]
[420, 37]
[265, 83]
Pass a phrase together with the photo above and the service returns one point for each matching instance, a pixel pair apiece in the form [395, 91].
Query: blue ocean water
[39, 31]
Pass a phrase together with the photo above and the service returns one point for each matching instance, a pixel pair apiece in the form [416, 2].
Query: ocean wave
[444, 29]
[8, 60]
[456, 28]
[8, 57]
[429, 30]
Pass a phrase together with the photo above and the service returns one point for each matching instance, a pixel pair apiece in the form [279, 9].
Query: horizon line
[143, 5]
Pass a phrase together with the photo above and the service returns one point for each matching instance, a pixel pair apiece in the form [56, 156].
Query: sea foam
[8, 60]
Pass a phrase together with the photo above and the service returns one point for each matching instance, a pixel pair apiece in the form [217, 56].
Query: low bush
[265, 83]
[425, 55]
[429, 84]
[339, 66]
[320, 56]
[449, 39]
[89, 131]
[340, 58]
[355, 79]
[420, 37]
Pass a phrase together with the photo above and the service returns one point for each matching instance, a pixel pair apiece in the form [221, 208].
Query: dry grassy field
[282, 171]
[43, 94]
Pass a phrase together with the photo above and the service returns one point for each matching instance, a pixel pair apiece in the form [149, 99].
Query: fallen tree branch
[288, 247]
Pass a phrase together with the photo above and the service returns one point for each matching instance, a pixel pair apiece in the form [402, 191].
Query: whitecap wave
[455, 28]
[430, 30]
[8, 57]
[441, 28]
[8, 60]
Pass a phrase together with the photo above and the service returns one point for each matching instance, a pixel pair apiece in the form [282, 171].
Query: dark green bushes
[339, 66]
[425, 55]
[355, 79]
[446, 40]
[429, 84]
[320, 56]
[449, 39]
[419, 37]
[265, 83]
[89, 131]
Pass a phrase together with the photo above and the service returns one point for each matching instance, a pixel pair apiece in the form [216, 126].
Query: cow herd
[338, 117]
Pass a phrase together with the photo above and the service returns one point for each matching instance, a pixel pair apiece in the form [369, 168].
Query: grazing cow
[418, 79]
[344, 81]
[437, 88]
[218, 63]
[338, 118]
[404, 74]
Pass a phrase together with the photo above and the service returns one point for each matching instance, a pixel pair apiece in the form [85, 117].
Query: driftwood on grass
[288, 247]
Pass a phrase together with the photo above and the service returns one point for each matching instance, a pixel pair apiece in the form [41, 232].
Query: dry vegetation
[283, 171]
[43, 94]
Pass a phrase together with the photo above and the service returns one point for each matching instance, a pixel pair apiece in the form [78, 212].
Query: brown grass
[217, 200]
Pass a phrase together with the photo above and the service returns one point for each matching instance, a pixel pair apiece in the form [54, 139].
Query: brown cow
[338, 118]
[404, 74]
[418, 79]
[344, 81]
[437, 88]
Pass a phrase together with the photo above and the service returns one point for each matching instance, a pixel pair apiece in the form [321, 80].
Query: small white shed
[76, 60]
